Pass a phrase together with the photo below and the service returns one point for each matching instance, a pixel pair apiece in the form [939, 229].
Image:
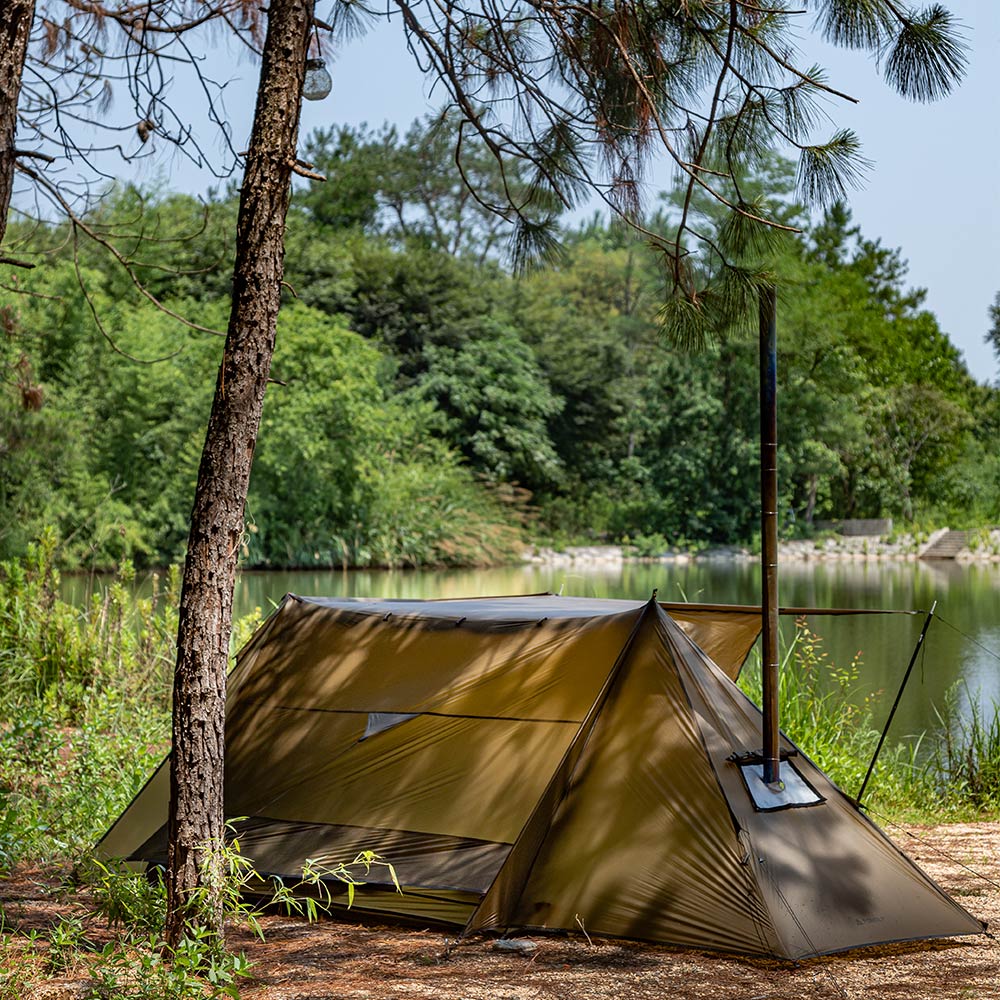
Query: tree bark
[16, 17]
[196, 825]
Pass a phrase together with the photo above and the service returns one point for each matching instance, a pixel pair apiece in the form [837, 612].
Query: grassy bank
[85, 699]
[85, 702]
[951, 773]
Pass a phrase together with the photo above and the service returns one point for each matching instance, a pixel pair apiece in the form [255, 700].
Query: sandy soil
[337, 961]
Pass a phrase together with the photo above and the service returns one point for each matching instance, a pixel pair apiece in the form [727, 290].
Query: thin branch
[299, 168]
[80, 224]
[34, 154]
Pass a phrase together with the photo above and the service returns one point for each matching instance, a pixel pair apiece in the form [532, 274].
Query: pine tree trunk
[16, 17]
[196, 770]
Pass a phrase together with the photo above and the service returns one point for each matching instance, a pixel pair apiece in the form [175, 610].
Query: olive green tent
[546, 763]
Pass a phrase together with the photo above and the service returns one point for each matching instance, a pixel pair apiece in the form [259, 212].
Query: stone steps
[946, 545]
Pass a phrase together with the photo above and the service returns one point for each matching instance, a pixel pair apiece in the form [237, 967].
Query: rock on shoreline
[984, 547]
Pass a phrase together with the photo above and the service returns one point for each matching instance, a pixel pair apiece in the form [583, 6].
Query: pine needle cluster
[571, 100]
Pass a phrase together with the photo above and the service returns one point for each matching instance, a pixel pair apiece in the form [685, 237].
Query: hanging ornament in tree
[318, 83]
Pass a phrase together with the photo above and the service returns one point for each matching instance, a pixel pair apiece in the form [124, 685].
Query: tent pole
[769, 530]
[895, 704]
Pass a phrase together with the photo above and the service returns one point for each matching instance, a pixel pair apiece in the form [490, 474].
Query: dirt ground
[337, 961]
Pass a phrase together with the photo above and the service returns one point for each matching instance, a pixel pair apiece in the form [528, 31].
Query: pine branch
[927, 57]
[826, 171]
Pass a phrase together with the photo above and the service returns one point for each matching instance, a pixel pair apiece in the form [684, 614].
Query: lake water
[963, 644]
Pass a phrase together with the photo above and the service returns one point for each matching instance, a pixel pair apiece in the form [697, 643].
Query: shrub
[86, 694]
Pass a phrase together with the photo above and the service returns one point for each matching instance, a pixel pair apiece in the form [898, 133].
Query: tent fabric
[543, 763]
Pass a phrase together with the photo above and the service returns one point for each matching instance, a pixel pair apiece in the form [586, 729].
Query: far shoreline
[985, 548]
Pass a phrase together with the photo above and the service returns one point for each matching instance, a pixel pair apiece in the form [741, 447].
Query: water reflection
[963, 646]
[968, 601]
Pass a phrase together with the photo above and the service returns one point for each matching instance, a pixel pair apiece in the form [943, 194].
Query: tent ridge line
[362, 601]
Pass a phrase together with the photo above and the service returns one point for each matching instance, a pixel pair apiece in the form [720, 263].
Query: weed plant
[19, 964]
[819, 707]
[950, 773]
[967, 755]
[138, 965]
[84, 703]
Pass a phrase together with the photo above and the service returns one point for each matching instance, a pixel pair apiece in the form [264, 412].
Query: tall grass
[84, 703]
[85, 696]
[56, 654]
[949, 772]
[421, 514]
[967, 755]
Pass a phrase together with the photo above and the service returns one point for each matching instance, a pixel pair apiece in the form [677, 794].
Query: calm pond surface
[962, 647]
[963, 644]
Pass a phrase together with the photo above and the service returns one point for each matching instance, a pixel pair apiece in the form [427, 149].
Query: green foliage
[62, 785]
[352, 161]
[428, 511]
[123, 490]
[85, 691]
[648, 545]
[141, 970]
[85, 699]
[131, 902]
[55, 653]
[967, 752]
[826, 172]
[821, 709]
[66, 937]
[405, 300]
[137, 965]
[414, 387]
[925, 54]
[496, 402]
[18, 964]
[952, 772]
[992, 336]
[414, 188]
[318, 425]
[346, 475]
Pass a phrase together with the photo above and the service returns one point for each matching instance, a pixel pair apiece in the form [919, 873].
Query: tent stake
[895, 704]
[769, 531]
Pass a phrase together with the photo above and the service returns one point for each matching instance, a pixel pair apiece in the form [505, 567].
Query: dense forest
[429, 406]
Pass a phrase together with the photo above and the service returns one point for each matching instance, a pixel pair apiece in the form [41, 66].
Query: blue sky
[933, 190]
